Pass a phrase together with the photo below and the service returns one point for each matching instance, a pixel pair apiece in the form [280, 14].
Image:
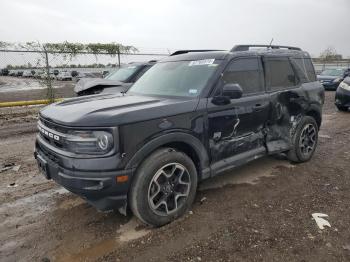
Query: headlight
[89, 142]
[345, 86]
[337, 80]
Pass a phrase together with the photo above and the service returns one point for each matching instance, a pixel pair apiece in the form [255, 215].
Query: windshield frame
[127, 79]
[205, 91]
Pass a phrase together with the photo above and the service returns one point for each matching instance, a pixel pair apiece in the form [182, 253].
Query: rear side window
[279, 74]
[305, 68]
[246, 73]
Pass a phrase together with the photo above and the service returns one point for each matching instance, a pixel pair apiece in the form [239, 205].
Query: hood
[87, 83]
[321, 77]
[347, 80]
[114, 109]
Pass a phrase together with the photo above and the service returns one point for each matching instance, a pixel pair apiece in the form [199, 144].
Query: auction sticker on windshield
[201, 62]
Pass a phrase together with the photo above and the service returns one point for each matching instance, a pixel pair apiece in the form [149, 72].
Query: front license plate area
[43, 167]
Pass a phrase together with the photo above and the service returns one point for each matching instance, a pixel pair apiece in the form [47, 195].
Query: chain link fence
[36, 75]
[321, 66]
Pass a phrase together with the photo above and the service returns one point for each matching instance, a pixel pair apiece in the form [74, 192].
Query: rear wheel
[164, 187]
[304, 140]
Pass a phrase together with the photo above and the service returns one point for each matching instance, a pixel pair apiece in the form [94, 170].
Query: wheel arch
[183, 142]
[316, 114]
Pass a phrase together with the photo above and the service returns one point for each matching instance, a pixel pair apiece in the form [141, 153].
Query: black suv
[188, 118]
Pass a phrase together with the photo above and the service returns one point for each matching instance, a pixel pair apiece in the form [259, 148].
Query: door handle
[258, 107]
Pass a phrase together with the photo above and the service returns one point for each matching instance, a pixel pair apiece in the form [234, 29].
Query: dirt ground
[259, 212]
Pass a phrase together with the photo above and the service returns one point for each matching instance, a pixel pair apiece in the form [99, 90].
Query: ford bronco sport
[188, 118]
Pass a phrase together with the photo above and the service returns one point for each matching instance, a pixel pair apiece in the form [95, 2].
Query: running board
[237, 160]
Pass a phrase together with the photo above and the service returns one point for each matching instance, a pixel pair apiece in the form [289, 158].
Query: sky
[161, 25]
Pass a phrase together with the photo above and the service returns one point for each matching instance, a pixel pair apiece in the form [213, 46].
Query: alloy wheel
[169, 189]
[307, 140]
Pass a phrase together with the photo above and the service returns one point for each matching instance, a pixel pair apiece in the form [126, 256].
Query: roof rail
[180, 52]
[246, 47]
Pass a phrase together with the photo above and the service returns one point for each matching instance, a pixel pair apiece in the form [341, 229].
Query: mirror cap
[233, 91]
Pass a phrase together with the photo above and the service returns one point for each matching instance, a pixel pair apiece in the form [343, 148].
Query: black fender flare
[164, 139]
[315, 111]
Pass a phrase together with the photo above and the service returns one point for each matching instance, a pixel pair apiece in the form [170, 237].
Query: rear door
[282, 84]
[237, 127]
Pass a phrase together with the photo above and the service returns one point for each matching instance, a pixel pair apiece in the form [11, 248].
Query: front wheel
[304, 140]
[164, 187]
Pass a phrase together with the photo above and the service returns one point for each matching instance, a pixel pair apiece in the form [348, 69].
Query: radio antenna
[271, 42]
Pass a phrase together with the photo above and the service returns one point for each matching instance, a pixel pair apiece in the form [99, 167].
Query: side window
[310, 70]
[305, 69]
[246, 73]
[279, 74]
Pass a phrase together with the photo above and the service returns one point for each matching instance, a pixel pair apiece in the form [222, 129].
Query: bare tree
[330, 54]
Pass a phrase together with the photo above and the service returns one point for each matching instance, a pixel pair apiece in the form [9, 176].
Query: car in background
[12, 73]
[342, 96]
[81, 75]
[64, 76]
[19, 73]
[4, 72]
[115, 82]
[331, 78]
[39, 74]
[27, 73]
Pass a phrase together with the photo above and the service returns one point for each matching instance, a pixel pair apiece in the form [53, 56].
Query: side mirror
[233, 91]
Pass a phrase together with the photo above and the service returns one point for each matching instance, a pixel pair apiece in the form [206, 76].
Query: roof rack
[180, 52]
[246, 47]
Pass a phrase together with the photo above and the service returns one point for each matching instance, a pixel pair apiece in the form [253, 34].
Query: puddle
[247, 174]
[125, 233]
[90, 254]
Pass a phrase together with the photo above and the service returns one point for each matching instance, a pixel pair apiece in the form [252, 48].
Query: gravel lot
[260, 212]
[23, 89]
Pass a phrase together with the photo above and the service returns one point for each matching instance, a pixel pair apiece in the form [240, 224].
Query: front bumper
[330, 85]
[94, 179]
[342, 97]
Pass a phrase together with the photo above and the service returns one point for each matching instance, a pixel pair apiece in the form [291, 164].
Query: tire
[303, 148]
[153, 185]
[342, 108]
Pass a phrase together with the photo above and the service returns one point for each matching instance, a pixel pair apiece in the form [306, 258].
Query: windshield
[181, 78]
[123, 73]
[333, 72]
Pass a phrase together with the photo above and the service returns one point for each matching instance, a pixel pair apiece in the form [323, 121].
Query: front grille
[52, 125]
[52, 133]
[49, 155]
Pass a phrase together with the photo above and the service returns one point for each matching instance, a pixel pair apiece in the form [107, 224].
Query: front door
[237, 127]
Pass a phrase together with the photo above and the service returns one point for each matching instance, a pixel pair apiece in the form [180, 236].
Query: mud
[258, 212]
